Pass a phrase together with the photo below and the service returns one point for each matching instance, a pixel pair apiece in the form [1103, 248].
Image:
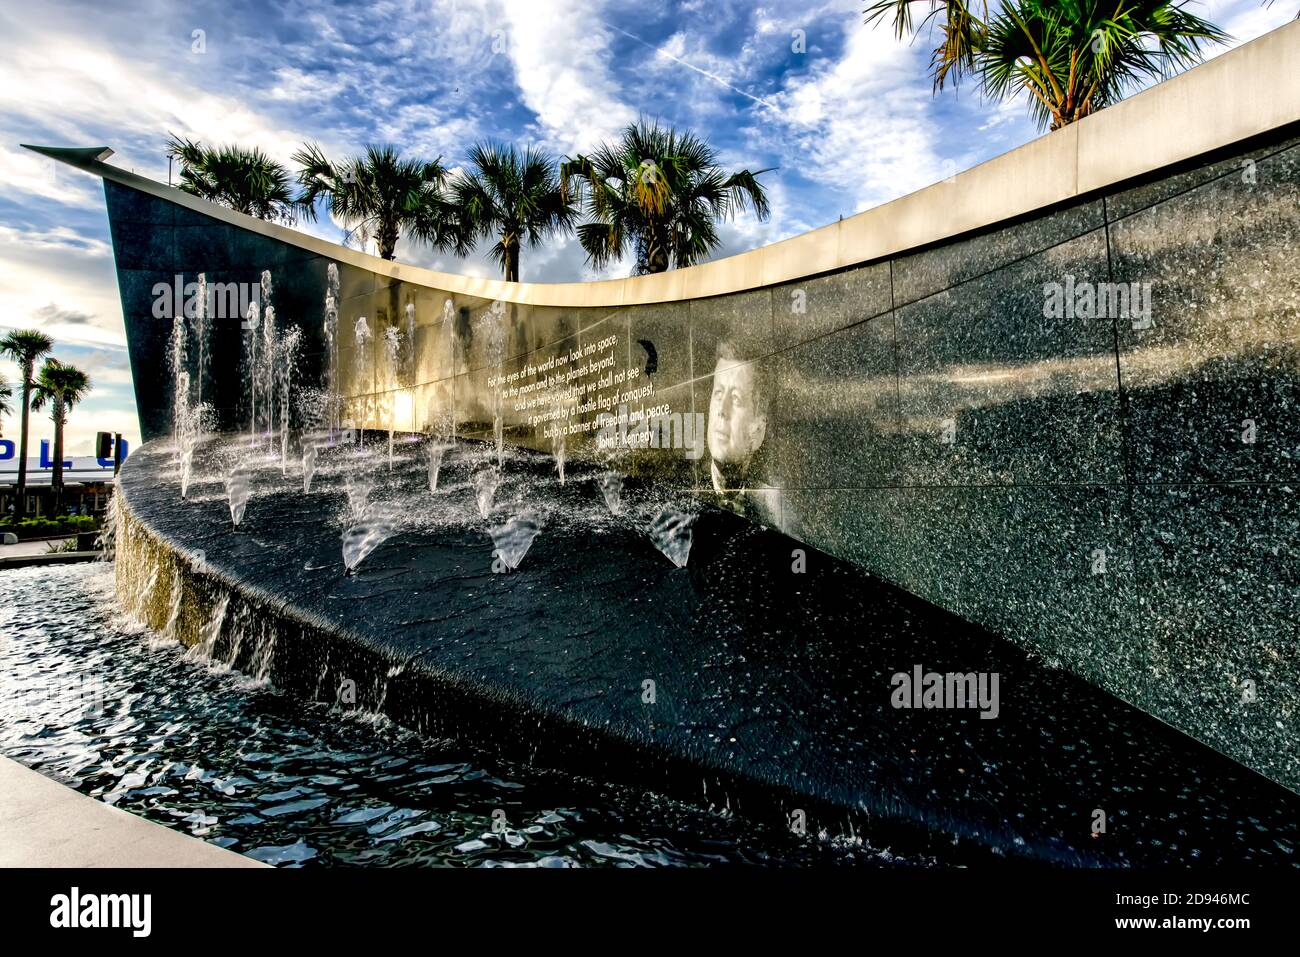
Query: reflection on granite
[742, 321]
[1242, 165]
[836, 415]
[142, 245]
[1213, 382]
[922, 274]
[200, 248]
[661, 338]
[1218, 572]
[809, 308]
[993, 392]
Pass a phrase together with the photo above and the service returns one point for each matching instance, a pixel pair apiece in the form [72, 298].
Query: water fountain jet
[237, 492]
[671, 533]
[359, 540]
[611, 487]
[434, 452]
[512, 539]
[485, 489]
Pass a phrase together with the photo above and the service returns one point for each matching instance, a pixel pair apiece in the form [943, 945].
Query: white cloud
[40, 269]
[1245, 20]
[65, 87]
[560, 52]
[27, 172]
[862, 125]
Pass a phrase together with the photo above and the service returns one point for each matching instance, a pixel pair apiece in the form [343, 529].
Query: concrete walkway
[24, 549]
[46, 824]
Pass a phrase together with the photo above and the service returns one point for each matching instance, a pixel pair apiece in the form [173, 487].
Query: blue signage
[9, 454]
[46, 461]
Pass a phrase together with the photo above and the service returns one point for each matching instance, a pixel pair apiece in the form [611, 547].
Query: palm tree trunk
[657, 255]
[387, 240]
[512, 262]
[20, 506]
[56, 483]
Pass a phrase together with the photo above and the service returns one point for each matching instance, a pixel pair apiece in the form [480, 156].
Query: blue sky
[849, 123]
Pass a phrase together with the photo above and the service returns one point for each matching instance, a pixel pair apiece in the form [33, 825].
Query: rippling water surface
[138, 722]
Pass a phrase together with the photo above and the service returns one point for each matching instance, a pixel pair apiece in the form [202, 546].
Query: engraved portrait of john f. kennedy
[740, 402]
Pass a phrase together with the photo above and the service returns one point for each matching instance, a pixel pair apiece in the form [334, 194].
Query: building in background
[87, 481]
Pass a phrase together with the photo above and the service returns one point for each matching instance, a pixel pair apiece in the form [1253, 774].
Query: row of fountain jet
[270, 358]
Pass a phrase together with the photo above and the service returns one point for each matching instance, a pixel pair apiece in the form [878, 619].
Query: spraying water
[285, 365]
[512, 539]
[449, 330]
[251, 323]
[237, 492]
[201, 339]
[408, 342]
[260, 358]
[557, 449]
[611, 486]
[178, 362]
[392, 353]
[361, 333]
[198, 420]
[358, 491]
[309, 453]
[331, 329]
[495, 321]
[671, 533]
[499, 433]
[266, 368]
[368, 534]
[434, 452]
[485, 490]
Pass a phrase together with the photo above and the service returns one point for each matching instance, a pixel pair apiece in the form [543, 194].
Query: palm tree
[61, 387]
[512, 195]
[24, 346]
[247, 181]
[660, 191]
[379, 194]
[1072, 57]
[6, 393]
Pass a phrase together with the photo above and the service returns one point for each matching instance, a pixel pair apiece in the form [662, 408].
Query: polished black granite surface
[771, 662]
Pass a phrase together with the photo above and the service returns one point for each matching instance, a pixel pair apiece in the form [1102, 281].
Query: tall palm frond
[60, 386]
[1071, 57]
[245, 180]
[379, 194]
[512, 195]
[25, 347]
[6, 394]
[659, 194]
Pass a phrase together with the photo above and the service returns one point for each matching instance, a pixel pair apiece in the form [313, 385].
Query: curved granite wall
[1115, 492]
[1111, 489]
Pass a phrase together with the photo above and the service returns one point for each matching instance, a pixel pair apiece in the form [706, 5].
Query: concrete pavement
[46, 824]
